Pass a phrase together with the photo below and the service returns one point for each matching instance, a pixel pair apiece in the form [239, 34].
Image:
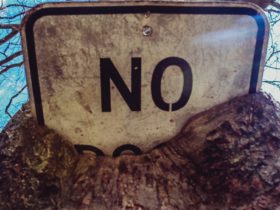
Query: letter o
[156, 83]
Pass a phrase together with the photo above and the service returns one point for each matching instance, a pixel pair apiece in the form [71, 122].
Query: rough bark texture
[225, 158]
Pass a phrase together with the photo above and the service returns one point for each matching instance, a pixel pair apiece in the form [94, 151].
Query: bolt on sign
[127, 76]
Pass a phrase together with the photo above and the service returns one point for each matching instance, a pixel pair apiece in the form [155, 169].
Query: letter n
[109, 72]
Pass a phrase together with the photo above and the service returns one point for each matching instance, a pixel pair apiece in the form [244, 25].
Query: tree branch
[274, 83]
[7, 68]
[273, 10]
[16, 5]
[272, 54]
[276, 5]
[272, 67]
[15, 27]
[8, 37]
[12, 16]
[11, 57]
[11, 100]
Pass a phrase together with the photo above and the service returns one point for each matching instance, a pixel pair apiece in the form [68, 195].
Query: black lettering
[108, 71]
[156, 83]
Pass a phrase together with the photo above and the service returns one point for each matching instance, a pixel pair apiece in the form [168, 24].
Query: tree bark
[224, 158]
[227, 157]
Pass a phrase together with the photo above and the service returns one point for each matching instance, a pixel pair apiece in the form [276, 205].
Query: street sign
[128, 75]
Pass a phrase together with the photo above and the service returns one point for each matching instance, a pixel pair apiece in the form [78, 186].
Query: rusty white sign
[127, 76]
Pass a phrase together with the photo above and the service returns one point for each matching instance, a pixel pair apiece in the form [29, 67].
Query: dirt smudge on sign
[83, 101]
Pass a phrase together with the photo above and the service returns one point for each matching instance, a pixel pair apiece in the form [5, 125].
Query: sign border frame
[97, 8]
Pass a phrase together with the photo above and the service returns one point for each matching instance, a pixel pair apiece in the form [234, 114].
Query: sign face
[118, 76]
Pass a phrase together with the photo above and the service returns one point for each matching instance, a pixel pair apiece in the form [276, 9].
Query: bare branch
[272, 54]
[7, 68]
[11, 57]
[12, 16]
[16, 5]
[273, 10]
[272, 67]
[273, 83]
[11, 100]
[276, 5]
[8, 37]
[15, 27]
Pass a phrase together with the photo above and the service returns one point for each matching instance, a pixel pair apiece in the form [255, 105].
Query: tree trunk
[224, 158]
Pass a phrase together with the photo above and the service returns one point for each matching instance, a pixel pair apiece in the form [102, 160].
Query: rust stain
[83, 102]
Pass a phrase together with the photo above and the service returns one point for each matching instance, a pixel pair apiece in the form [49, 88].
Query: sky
[269, 73]
[14, 80]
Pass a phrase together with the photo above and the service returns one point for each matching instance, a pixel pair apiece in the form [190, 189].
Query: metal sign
[127, 76]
